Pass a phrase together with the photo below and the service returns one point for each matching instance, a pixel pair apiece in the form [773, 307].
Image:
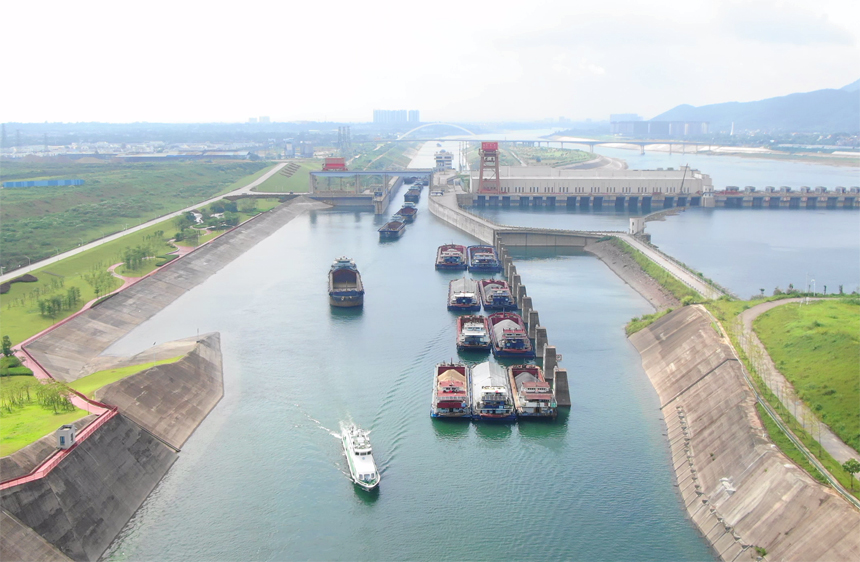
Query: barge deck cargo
[451, 257]
[484, 259]
[463, 295]
[533, 395]
[345, 288]
[491, 392]
[509, 335]
[452, 395]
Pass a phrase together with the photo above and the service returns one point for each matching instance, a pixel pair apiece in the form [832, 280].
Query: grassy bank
[663, 277]
[30, 410]
[817, 348]
[726, 312]
[19, 308]
[292, 178]
[40, 222]
[89, 384]
[547, 156]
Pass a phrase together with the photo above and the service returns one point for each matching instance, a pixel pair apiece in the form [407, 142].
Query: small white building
[66, 437]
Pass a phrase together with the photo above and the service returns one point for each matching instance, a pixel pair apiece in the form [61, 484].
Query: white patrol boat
[359, 456]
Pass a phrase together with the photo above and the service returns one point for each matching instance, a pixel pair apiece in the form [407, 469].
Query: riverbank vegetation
[549, 156]
[292, 178]
[87, 273]
[727, 311]
[384, 156]
[666, 280]
[817, 348]
[30, 410]
[89, 384]
[40, 222]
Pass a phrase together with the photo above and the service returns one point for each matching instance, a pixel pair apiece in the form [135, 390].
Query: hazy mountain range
[821, 111]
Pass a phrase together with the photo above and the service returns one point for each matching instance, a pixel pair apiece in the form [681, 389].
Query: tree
[7, 346]
[762, 292]
[852, 467]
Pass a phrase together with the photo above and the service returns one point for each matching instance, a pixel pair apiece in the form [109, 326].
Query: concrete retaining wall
[445, 207]
[171, 400]
[737, 487]
[66, 351]
[89, 497]
[20, 542]
[23, 461]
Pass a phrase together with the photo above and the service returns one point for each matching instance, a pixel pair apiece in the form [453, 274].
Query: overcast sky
[461, 60]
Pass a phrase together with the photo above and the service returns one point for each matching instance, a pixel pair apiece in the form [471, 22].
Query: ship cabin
[515, 339]
[451, 258]
[494, 400]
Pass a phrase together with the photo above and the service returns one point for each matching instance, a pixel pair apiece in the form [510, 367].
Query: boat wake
[317, 423]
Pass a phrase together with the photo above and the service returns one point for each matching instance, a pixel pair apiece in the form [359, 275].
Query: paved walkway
[686, 277]
[99, 242]
[778, 384]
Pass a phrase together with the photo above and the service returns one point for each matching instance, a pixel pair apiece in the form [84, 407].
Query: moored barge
[345, 288]
[451, 257]
[509, 335]
[533, 395]
[452, 396]
[484, 259]
[392, 230]
[463, 295]
[491, 394]
[473, 333]
[496, 295]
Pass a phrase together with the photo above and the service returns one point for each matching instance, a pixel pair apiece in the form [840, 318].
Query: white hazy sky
[461, 60]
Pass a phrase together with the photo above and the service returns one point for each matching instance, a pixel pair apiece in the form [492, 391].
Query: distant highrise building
[265, 119]
[252, 119]
[395, 116]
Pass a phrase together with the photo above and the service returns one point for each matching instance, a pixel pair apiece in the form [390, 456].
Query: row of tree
[23, 391]
[55, 304]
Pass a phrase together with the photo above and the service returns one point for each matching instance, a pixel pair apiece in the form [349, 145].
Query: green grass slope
[817, 348]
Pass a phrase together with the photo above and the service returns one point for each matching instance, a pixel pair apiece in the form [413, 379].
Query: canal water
[744, 250]
[264, 477]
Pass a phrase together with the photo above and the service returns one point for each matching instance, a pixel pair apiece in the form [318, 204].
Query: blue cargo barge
[483, 259]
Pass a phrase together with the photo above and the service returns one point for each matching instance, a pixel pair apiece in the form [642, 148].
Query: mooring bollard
[515, 285]
[533, 323]
[521, 294]
[549, 360]
[540, 340]
[526, 306]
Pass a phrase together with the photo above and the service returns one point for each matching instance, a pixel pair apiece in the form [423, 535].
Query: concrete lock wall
[66, 351]
[468, 223]
[81, 505]
[738, 488]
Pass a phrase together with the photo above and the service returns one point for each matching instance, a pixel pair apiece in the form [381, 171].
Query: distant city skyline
[187, 62]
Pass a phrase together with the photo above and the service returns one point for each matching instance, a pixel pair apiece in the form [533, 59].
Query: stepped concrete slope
[738, 488]
[81, 505]
[66, 351]
[171, 400]
[21, 543]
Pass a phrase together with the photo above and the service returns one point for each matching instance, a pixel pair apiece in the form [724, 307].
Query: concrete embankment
[446, 208]
[83, 503]
[625, 267]
[24, 460]
[66, 351]
[171, 400]
[738, 488]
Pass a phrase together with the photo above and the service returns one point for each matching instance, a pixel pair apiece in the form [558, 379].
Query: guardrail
[782, 426]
